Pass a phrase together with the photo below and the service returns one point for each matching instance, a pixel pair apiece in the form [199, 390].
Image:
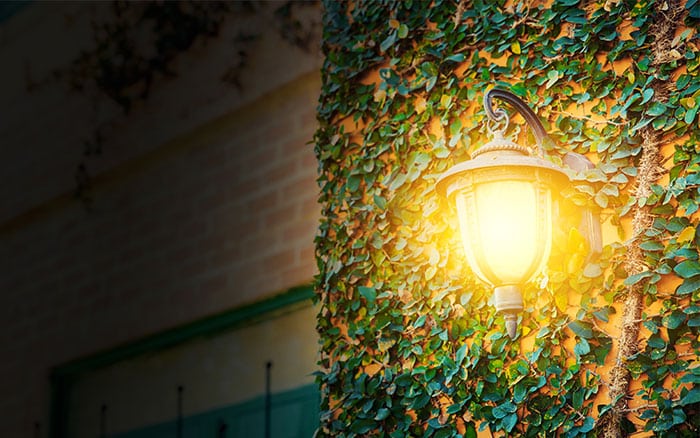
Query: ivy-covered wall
[411, 345]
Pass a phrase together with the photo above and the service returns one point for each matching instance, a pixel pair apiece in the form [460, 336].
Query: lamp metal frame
[501, 160]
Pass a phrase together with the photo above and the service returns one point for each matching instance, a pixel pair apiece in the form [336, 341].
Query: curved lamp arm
[530, 117]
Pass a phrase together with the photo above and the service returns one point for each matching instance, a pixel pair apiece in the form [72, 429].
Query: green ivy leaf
[398, 181]
[388, 42]
[471, 431]
[689, 285]
[354, 182]
[454, 408]
[362, 425]
[382, 414]
[457, 57]
[636, 278]
[687, 268]
[656, 109]
[674, 320]
[369, 293]
[602, 314]
[620, 178]
[655, 341]
[601, 199]
[509, 422]
[582, 347]
[582, 329]
[651, 245]
[504, 409]
[692, 397]
[592, 270]
[403, 31]
[461, 353]
[520, 391]
[380, 202]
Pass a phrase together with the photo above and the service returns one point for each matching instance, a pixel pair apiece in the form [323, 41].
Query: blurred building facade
[157, 220]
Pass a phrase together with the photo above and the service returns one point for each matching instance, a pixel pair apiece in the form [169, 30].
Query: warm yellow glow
[506, 238]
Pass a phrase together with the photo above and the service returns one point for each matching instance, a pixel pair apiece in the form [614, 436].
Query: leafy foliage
[139, 42]
[134, 45]
[411, 345]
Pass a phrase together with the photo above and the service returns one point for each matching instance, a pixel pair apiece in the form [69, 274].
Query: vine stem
[620, 376]
[457, 19]
[650, 170]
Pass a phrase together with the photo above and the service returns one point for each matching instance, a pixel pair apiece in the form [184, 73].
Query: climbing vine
[410, 343]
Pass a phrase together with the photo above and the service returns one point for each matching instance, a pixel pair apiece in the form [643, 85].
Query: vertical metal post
[268, 399]
[37, 429]
[180, 389]
[103, 421]
[221, 431]
[60, 389]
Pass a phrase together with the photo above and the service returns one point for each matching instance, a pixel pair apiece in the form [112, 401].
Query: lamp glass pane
[506, 230]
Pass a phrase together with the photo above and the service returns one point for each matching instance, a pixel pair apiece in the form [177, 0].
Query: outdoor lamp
[505, 197]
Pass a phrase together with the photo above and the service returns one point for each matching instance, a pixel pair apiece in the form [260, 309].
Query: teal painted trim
[62, 376]
[209, 326]
[295, 413]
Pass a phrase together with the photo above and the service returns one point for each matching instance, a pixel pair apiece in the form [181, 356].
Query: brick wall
[199, 209]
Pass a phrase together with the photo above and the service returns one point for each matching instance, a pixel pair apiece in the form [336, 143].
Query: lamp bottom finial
[509, 302]
[511, 320]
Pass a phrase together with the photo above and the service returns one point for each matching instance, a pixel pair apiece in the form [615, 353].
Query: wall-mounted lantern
[505, 198]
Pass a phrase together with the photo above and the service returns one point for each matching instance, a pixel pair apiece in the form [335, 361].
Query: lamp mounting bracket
[499, 114]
